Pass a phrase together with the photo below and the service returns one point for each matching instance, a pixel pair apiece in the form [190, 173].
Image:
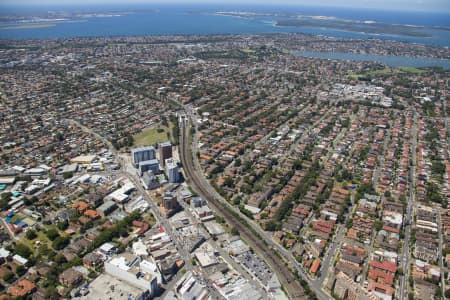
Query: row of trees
[301, 189]
[59, 242]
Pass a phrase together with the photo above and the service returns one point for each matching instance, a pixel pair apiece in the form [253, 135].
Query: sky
[402, 5]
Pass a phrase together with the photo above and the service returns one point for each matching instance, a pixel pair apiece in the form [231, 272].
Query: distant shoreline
[374, 29]
[204, 21]
[28, 26]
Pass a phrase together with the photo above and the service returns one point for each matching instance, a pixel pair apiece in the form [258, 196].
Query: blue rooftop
[144, 148]
[149, 162]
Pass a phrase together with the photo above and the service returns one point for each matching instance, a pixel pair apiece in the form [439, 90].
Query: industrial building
[108, 287]
[137, 272]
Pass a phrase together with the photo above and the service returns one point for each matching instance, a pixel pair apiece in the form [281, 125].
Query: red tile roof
[382, 288]
[22, 288]
[391, 229]
[385, 266]
[380, 276]
[93, 214]
[315, 266]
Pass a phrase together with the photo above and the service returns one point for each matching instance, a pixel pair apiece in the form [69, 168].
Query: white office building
[135, 271]
[150, 181]
[172, 171]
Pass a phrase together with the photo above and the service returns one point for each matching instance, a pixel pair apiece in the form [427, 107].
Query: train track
[287, 279]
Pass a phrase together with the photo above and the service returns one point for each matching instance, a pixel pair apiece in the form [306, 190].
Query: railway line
[291, 285]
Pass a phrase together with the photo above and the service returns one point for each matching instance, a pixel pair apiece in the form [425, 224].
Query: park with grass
[388, 71]
[152, 136]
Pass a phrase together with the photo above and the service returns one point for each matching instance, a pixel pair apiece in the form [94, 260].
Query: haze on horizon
[395, 5]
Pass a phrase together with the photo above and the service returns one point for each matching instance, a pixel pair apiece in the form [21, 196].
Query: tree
[123, 231]
[63, 225]
[60, 242]
[346, 175]
[52, 234]
[4, 199]
[67, 175]
[272, 226]
[447, 293]
[30, 200]
[23, 250]
[228, 181]
[92, 274]
[3, 204]
[297, 164]
[20, 270]
[6, 196]
[31, 234]
[8, 276]
[433, 193]
[51, 292]
[60, 259]
[365, 188]
[378, 225]
[237, 162]
[437, 167]
[402, 198]
[360, 235]
[220, 219]
[349, 223]
[234, 231]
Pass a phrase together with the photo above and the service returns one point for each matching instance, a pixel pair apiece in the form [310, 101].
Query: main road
[258, 240]
[130, 173]
[405, 257]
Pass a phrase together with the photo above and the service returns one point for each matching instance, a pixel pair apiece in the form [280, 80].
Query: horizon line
[228, 4]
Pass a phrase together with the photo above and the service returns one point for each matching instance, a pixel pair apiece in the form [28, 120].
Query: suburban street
[129, 172]
[405, 257]
[329, 256]
[201, 185]
[195, 154]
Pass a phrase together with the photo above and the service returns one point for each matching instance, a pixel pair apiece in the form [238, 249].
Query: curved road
[259, 242]
[257, 239]
[221, 203]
